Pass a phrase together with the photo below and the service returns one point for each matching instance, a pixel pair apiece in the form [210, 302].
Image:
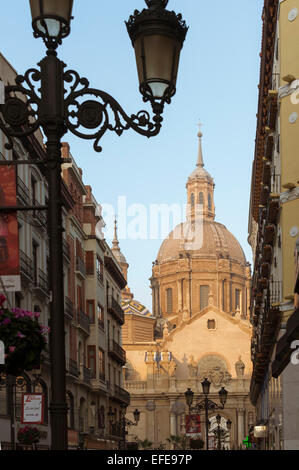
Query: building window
[101, 364]
[200, 198]
[101, 318]
[100, 269]
[204, 297]
[169, 300]
[91, 360]
[192, 200]
[211, 324]
[209, 202]
[90, 310]
[41, 388]
[70, 411]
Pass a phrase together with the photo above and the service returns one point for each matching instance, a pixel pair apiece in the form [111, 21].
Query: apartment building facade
[93, 315]
[273, 231]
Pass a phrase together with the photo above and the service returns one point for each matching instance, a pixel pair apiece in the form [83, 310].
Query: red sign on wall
[193, 425]
[9, 237]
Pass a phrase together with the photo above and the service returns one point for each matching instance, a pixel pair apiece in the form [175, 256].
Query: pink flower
[6, 321]
[20, 335]
[11, 349]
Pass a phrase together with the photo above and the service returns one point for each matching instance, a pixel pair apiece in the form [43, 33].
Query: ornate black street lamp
[206, 404]
[123, 423]
[57, 100]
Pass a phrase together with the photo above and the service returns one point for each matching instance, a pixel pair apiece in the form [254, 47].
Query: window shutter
[89, 260]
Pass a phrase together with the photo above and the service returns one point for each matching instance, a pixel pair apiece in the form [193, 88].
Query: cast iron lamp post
[64, 101]
[206, 404]
[125, 422]
[220, 431]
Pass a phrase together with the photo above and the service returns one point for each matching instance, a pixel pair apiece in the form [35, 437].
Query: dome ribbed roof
[217, 242]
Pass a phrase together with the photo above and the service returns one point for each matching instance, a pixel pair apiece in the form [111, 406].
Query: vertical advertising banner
[193, 425]
[9, 237]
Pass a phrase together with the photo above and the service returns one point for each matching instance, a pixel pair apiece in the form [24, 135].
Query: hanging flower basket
[29, 435]
[23, 337]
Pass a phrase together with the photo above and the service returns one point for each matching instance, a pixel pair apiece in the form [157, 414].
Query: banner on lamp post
[9, 237]
[32, 408]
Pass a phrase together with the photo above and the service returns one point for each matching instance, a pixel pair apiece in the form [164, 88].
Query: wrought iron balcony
[23, 192]
[121, 395]
[73, 368]
[42, 282]
[80, 267]
[66, 250]
[117, 352]
[26, 265]
[69, 308]
[83, 321]
[40, 215]
[86, 375]
[115, 309]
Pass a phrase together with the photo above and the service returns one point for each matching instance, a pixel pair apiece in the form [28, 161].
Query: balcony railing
[80, 266]
[69, 308]
[66, 250]
[42, 281]
[26, 265]
[73, 368]
[23, 192]
[275, 292]
[116, 310]
[118, 353]
[83, 321]
[121, 395]
[100, 276]
[40, 215]
[86, 375]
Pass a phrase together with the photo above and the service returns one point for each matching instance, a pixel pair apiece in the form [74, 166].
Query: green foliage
[178, 442]
[29, 435]
[196, 444]
[145, 445]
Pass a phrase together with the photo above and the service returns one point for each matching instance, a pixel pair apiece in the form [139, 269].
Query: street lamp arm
[23, 115]
[207, 404]
[103, 113]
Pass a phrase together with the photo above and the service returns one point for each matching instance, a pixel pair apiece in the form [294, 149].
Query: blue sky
[217, 84]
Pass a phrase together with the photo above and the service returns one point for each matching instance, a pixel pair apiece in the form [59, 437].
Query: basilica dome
[216, 242]
[200, 263]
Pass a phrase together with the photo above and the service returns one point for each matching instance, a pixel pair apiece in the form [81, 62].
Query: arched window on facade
[41, 387]
[70, 411]
[209, 202]
[23, 385]
[192, 200]
[169, 300]
[200, 198]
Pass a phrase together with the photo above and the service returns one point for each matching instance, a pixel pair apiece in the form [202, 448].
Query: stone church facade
[199, 327]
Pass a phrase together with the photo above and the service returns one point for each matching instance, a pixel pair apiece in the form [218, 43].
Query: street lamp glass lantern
[157, 36]
[136, 415]
[189, 397]
[218, 419]
[51, 18]
[223, 396]
[206, 387]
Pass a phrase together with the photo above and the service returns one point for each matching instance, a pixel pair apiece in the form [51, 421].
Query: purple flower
[20, 335]
[6, 321]
[11, 349]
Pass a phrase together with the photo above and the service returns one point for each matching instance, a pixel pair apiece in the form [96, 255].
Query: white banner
[32, 408]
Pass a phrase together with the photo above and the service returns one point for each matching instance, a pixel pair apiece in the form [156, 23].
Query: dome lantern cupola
[200, 189]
